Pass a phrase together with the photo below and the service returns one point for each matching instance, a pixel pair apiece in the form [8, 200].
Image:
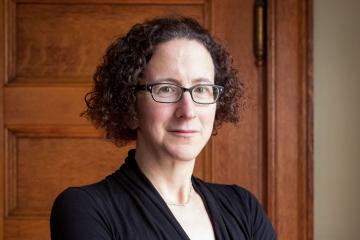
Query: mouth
[184, 132]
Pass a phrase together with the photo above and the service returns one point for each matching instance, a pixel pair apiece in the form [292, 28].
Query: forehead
[181, 44]
[180, 59]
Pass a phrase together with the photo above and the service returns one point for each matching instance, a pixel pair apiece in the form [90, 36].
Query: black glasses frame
[149, 87]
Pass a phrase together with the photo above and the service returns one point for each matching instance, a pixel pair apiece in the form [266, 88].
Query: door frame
[289, 117]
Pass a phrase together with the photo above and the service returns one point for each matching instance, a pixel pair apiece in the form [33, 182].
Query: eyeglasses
[171, 93]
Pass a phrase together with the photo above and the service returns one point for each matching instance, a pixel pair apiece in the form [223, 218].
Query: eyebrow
[177, 82]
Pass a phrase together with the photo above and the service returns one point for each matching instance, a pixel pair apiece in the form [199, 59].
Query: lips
[184, 132]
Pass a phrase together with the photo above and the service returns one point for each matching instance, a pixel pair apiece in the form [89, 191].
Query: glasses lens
[166, 92]
[205, 93]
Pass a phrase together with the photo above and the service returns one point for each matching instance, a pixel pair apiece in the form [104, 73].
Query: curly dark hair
[111, 103]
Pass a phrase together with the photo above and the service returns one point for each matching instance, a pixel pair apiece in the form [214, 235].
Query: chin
[184, 152]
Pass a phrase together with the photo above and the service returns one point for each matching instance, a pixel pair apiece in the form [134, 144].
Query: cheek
[147, 118]
[152, 116]
[208, 117]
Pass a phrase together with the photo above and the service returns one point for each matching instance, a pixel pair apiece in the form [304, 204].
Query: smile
[184, 133]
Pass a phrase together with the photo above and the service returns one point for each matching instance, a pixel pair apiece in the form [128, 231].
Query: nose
[185, 107]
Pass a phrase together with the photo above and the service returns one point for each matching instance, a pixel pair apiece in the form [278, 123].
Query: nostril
[185, 113]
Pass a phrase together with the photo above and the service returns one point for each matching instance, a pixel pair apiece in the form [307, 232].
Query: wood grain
[65, 42]
[238, 150]
[49, 51]
[289, 119]
[53, 162]
[3, 76]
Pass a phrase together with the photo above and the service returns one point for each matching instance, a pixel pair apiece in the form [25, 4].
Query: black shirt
[125, 205]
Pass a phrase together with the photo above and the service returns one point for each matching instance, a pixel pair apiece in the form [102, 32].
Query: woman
[168, 85]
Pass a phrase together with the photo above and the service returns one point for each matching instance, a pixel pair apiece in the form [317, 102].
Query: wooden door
[49, 50]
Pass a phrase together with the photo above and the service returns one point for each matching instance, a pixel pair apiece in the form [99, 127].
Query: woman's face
[176, 130]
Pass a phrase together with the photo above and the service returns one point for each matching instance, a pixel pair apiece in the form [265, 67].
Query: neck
[171, 177]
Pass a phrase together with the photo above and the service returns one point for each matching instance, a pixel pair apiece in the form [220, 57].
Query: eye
[164, 90]
[203, 90]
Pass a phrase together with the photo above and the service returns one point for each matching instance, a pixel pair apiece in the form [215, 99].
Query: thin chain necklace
[178, 204]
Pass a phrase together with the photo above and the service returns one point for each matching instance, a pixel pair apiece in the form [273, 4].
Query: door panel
[51, 49]
[63, 42]
[238, 150]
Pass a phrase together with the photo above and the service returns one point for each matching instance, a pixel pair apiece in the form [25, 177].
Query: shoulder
[76, 203]
[239, 203]
[84, 212]
[74, 197]
[234, 196]
[226, 192]
[73, 212]
[99, 197]
[85, 195]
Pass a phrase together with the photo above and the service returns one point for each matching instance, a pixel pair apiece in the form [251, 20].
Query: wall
[337, 119]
